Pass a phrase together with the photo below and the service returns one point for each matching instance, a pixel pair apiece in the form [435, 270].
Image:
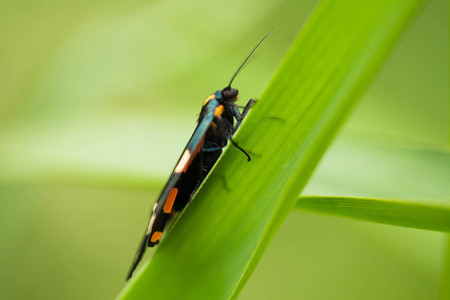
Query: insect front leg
[240, 116]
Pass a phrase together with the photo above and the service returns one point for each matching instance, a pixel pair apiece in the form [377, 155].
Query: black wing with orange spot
[181, 183]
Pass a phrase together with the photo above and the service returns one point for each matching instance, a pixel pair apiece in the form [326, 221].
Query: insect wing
[165, 202]
[192, 149]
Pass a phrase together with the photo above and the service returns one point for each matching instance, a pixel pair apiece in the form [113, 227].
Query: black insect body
[214, 129]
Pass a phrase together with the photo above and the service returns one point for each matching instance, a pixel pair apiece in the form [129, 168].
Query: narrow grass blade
[216, 244]
[430, 215]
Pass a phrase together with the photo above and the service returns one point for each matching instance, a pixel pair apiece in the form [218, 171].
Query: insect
[214, 128]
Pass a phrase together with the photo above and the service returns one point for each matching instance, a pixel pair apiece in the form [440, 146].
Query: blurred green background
[97, 100]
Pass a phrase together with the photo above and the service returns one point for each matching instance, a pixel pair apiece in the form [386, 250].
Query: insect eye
[230, 93]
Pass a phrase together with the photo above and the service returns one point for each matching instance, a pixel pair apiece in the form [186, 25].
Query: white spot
[183, 161]
[152, 220]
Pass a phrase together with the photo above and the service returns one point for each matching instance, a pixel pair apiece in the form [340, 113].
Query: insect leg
[237, 146]
[239, 117]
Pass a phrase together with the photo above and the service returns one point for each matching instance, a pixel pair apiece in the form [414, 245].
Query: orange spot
[170, 200]
[218, 111]
[199, 147]
[156, 236]
[212, 96]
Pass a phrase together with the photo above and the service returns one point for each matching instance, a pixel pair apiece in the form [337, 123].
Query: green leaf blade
[429, 215]
[216, 244]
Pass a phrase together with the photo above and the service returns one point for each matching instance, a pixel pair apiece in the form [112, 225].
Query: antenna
[234, 76]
